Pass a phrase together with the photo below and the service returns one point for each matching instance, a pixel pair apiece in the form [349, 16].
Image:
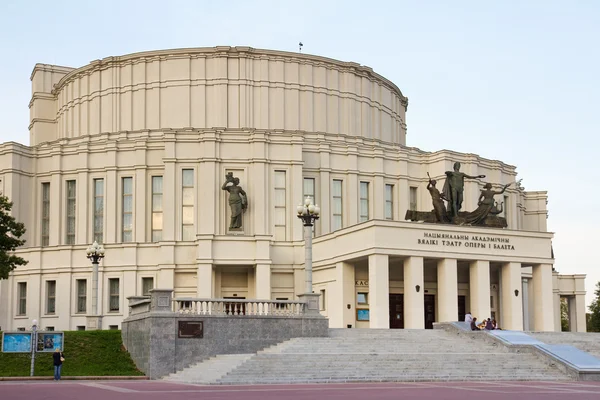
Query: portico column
[577, 313]
[414, 302]
[447, 298]
[379, 291]
[525, 304]
[479, 289]
[343, 295]
[204, 281]
[543, 318]
[512, 304]
[262, 281]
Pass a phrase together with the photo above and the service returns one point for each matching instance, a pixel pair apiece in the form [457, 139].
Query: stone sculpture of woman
[238, 201]
[485, 204]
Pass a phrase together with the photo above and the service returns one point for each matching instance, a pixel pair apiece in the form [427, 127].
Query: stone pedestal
[161, 300]
[93, 322]
[312, 303]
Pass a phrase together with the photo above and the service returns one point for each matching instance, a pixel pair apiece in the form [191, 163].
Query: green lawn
[87, 353]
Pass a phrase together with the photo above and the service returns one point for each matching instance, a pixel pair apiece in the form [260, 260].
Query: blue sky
[516, 81]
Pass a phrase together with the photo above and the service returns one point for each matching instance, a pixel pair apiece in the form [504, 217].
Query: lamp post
[308, 213]
[33, 345]
[95, 253]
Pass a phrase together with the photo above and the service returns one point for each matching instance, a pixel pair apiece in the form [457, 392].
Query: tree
[10, 238]
[594, 319]
[564, 315]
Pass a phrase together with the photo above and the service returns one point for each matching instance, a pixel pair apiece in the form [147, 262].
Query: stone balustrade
[239, 307]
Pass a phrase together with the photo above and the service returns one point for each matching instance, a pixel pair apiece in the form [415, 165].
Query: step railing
[239, 307]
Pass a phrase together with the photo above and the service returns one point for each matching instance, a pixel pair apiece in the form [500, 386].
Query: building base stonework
[154, 338]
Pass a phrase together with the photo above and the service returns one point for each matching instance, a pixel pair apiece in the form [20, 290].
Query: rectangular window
[22, 293]
[157, 208]
[362, 298]
[389, 201]
[127, 224]
[98, 210]
[147, 285]
[322, 301]
[45, 214]
[81, 295]
[50, 328]
[71, 212]
[337, 212]
[113, 327]
[187, 205]
[413, 199]
[50, 297]
[364, 202]
[280, 213]
[81, 327]
[113, 298]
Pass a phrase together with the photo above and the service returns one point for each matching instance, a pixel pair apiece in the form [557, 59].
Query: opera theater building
[188, 166]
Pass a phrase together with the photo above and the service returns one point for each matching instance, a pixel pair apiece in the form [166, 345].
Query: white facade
[133, 150]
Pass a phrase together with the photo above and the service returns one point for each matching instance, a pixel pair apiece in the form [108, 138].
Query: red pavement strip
[150, 390]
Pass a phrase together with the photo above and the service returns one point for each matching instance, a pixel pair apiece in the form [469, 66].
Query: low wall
[153, 337]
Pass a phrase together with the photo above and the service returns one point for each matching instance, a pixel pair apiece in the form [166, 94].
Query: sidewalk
[74, 378]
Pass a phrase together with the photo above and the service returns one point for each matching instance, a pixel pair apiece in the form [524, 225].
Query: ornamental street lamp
[95, 253]
[308, 213]
[34, 326]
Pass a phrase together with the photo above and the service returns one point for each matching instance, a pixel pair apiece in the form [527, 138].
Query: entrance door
[396, 311]
[462, 307]
[429, 311]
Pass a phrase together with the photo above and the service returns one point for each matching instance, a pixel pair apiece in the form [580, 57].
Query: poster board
[49, 341]
[16, 342]
[362, 314]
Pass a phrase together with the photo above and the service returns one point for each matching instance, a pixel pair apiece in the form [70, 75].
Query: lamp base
[312, 303]
[93, 322]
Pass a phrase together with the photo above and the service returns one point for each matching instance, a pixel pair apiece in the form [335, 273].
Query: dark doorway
[462, 307]
[396, 311]
[429, 311]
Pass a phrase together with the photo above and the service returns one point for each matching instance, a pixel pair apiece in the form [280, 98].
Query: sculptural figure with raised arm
[438, 201]
[454, 187]
[485, 205]
[238, 201]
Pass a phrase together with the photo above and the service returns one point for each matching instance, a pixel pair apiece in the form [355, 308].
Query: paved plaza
[149, 390]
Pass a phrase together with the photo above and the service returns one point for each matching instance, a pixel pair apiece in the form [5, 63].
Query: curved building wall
[234, 88]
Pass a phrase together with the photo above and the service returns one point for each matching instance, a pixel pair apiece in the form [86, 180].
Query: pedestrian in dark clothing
[488, 325]
[57, 357]
[474, 324]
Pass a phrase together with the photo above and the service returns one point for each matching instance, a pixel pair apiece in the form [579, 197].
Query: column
[577, 321]
[447, 297]
[262, 281]
[379, 291]
[525, 303]
[543, 318]
[511, 307]
[343, 295]
[204, 281]
[479, 289]
[414, 301]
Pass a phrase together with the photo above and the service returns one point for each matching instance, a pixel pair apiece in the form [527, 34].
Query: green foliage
[593, 322]
[87, 353]
[564, 315]
[10, 234]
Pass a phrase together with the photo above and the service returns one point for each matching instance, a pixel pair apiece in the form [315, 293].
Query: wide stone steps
[209, 371]
[355, 355]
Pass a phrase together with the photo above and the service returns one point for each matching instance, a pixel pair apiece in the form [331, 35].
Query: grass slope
[87, 353]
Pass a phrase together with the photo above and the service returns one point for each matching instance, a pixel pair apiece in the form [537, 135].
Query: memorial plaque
[191, 329]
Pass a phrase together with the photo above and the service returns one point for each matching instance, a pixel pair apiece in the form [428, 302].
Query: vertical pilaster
[56, 214]
[525, 303]
[543, 307]
[579, 319]
[414, 301]
[341, 316]
[447, 294]
[512, 305]
[169, 202]
[479, 289]
[205, 281]
[140, 198]
[262, 281]
[82, 207]
[379, 290]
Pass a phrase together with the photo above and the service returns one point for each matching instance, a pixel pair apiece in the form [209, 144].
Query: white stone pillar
[577, 313]
[542, 298]
[479, 289]
[343, 295]
[205, 281]
[447, 294]
[511, 308]
[414, 301]
[379, 291]
[525, 304]
[262, 281]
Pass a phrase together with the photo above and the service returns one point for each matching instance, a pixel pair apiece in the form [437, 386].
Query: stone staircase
[369, 355]
[585, 341]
